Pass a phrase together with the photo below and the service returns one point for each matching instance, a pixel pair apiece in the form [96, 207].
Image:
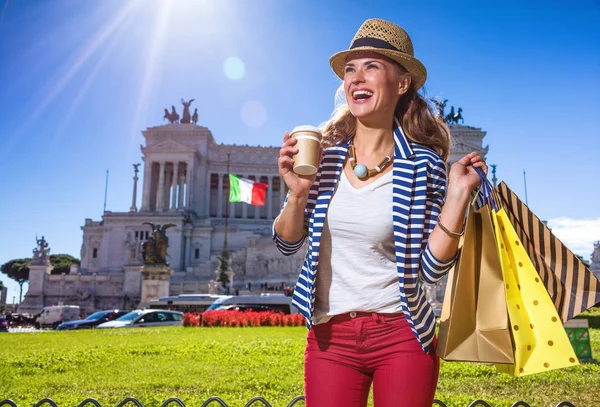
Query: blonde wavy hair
[419, 122]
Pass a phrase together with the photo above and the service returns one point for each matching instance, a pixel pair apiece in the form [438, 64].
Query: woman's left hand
[462, 174]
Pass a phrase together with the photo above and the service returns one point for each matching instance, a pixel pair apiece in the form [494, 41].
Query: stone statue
[450, 116]
[41, 253]
[129, 240]
[441, 105]
[195, 116]
[155, 248]
[453, 118]
[172, 117]
[186, 111]
[459, 116]
[213, 287]
[135, 248]
[174, 114]
[135, 167]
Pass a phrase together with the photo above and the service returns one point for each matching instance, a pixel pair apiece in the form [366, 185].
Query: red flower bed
[242, 319]
[191, 319]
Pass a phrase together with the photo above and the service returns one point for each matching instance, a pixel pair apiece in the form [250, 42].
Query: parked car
[92, 320]
[3, 325]
[22, 320]
[57, 314]
[146, 318]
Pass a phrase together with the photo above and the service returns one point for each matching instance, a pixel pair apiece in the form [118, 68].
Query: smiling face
[373, 85]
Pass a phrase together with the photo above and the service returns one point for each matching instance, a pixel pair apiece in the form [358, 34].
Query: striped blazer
[419, 187]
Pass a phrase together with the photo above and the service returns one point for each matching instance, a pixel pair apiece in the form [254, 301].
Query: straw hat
[387, 39]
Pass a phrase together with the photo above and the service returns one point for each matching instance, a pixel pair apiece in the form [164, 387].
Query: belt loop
[376, 317]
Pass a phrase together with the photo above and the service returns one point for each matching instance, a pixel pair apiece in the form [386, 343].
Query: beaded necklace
[361, 170]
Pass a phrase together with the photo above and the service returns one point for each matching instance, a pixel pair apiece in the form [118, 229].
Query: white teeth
[357, 93]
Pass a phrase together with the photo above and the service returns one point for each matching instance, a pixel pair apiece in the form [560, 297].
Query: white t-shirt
[357, 260]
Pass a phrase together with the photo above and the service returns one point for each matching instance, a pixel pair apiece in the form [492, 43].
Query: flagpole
[224, 266]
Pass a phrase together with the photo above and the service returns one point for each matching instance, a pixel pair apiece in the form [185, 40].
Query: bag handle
[486, 189]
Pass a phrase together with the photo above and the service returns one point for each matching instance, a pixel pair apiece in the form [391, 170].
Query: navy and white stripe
[419, 187]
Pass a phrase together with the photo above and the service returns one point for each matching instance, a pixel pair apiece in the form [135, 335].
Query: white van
[262, 302]
[57, 314]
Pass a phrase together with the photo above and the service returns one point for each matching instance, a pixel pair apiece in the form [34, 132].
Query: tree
[62, 263]
[223, 267]
[18, 269]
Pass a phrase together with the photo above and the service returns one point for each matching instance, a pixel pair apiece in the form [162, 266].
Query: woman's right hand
[299, 185]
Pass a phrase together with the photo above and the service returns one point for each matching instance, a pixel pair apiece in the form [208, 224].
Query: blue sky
[79, 81]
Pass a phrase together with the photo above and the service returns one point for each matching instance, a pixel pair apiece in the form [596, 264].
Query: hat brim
[412, 65]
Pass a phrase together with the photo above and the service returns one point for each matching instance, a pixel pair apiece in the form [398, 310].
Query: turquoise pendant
[360, 170]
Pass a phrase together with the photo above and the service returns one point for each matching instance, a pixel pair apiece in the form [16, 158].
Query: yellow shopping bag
[540, 341]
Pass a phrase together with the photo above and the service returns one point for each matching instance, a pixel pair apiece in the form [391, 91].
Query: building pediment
[167, 146]
[459, 149]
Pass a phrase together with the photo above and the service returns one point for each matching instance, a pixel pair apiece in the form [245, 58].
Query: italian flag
[246, 190]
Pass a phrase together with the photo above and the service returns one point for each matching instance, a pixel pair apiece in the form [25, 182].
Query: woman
[375, 233]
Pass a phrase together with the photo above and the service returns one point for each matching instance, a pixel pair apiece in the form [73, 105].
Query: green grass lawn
[234, 364]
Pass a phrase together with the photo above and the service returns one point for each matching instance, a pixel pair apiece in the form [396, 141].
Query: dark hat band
[373, 42]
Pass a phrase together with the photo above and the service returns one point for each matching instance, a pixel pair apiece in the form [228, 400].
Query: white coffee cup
[306, 160]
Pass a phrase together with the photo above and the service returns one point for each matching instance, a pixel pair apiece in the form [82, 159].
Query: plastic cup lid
[306, 128]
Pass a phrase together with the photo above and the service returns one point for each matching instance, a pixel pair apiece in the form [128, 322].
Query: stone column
[189, 182]
[147, 184]
[181, 182]
[281, 192]
[175, 185]
[257, 208]
[168, 182]
[207, 193]
[220, 197]
[269, 202]
[181, 253]
[161, 188]
[187, 233]
[135, 180]
[184, 186]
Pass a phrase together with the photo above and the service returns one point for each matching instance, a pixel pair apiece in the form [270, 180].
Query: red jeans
[346, 354]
